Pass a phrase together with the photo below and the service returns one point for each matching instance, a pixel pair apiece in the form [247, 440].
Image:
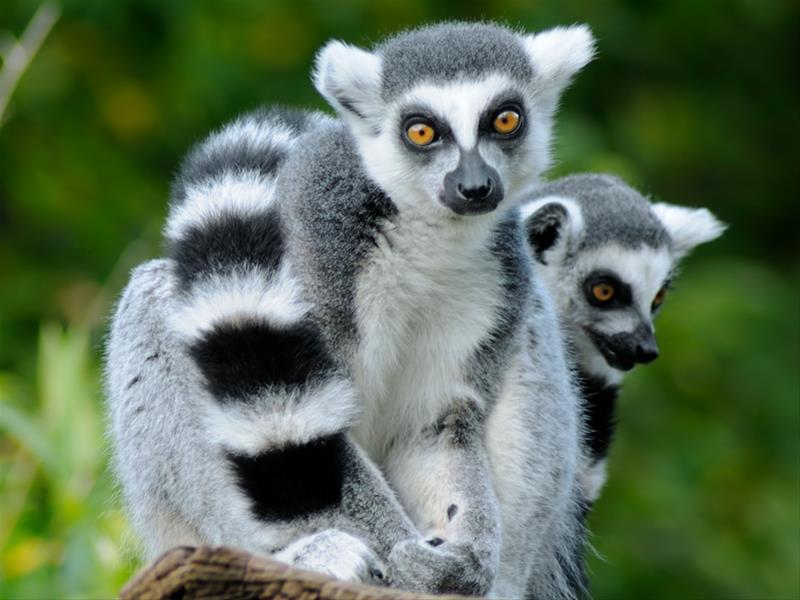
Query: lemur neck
[600, 407]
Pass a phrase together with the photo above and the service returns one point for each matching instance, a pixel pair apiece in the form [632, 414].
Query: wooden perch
[207, 573]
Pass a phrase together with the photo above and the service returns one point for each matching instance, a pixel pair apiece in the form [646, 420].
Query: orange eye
[421, 134]
[506, 122]
[603, 292]
[659, 298]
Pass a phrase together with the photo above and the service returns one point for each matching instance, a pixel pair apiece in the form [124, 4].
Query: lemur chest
[421, 316]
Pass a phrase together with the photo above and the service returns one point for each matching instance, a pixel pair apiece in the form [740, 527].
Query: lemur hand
[435, 566]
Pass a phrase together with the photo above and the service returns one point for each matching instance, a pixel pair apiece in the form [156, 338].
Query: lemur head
[608, 257]
[452, 119]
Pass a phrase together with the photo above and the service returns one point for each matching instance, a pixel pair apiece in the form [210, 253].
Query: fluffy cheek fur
[402, 174]
[516, 167]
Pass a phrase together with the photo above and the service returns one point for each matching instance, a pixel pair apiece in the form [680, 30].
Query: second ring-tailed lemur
[608, 256]
[345, 360]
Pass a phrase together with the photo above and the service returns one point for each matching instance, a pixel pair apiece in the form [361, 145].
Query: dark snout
[473, 187]
[624, 350]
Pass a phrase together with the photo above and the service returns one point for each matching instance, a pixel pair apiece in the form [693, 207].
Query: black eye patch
[503, 102]
[622, 294]
[422, 114]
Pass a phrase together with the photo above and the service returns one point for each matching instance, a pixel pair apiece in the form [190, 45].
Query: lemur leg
[443, 479]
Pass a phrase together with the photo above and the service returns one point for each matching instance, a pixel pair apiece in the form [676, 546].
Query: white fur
[350, 79]
[168, 529]
[243, 194]
[253, 132]
[285, 418]
[425, 301]
[334, 553]
[593, 478]
[557, 54]
[688, 227]
[249, 293]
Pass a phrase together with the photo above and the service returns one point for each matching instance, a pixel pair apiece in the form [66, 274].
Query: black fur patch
[293, 481]
[242, 359]
[452, 510]
[600, 408]
[230, 241]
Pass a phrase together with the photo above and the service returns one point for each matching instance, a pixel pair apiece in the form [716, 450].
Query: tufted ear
[557, 55]
[350, 80]
[550, 223]
[688, 227]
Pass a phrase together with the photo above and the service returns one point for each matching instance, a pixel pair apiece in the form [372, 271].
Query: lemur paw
[438, 567]
[337, 554]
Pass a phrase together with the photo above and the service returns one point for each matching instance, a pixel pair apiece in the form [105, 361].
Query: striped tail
[242, 312]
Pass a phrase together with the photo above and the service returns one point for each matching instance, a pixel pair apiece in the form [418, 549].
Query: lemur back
[608, 257]
[346, 325]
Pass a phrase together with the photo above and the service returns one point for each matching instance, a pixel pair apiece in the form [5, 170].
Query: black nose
[646, 347]
[473, 187]
[624, 350]
[646, 353]
[480, 192]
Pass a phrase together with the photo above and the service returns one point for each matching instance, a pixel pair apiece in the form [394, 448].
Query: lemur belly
[420, 320]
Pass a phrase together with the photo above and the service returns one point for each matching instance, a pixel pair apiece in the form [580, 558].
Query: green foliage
[693, 102]
[60, 532]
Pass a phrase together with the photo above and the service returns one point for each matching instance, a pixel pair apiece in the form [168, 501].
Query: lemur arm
[443, 479]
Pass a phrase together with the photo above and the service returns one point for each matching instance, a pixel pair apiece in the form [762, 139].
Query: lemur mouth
[614, 357]
[467, 209]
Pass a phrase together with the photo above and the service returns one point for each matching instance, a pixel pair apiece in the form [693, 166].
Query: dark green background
[693, 102]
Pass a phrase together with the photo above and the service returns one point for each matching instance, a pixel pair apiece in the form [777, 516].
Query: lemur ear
[688, 227]
[349, 78]
[557, 55]
[549, 225]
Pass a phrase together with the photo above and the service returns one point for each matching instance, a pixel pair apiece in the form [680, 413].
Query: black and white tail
[241, 310]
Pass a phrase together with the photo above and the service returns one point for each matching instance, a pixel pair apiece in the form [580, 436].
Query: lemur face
[607, 257]
[616, 293]
[463, 146]
[453, 120]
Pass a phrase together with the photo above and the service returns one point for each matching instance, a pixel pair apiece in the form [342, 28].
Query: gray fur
[449, 51]
[612, 210]
[330, 234]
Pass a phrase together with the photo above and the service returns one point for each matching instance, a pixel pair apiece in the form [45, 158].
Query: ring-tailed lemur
[608, 256]
[345, 346]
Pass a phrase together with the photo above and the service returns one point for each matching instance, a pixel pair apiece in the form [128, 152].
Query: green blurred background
[693, 102]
